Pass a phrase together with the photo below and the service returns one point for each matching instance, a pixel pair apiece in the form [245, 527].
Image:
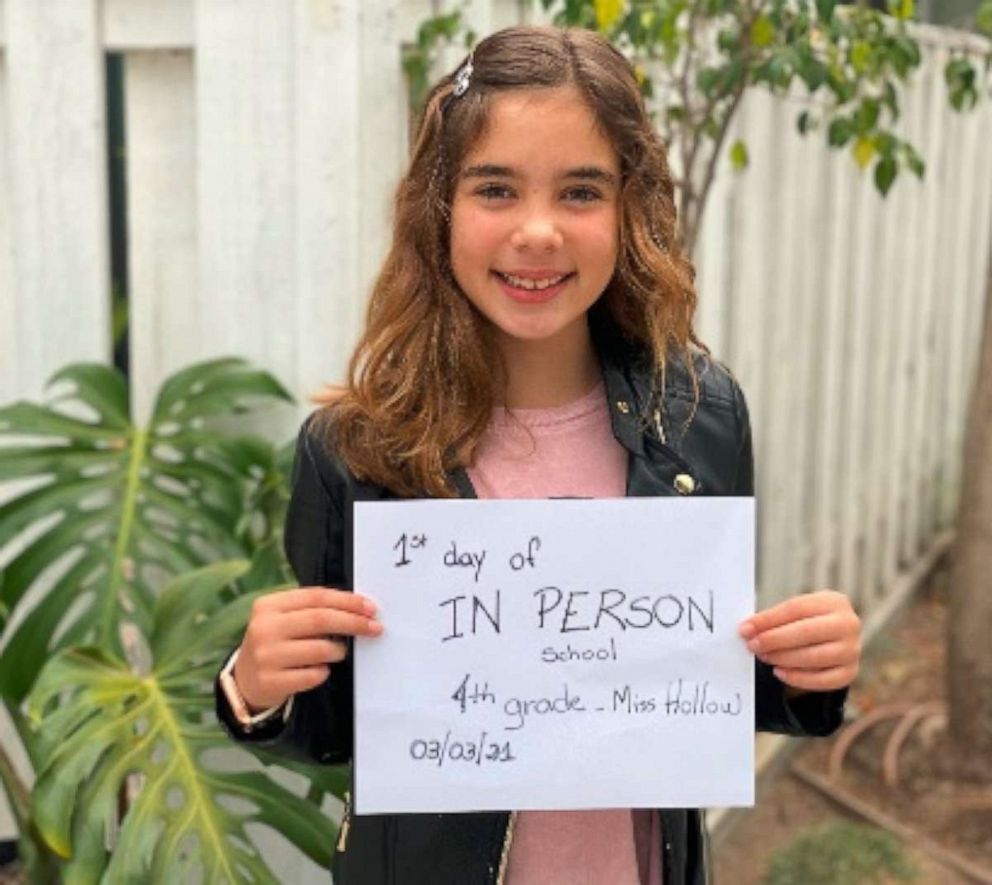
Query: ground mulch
[906, 664]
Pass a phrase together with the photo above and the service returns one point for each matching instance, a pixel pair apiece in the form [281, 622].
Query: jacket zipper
[345, 822]
[659, 427]
[505, 853]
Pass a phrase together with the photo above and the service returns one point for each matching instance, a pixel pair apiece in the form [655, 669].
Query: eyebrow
[585, 173]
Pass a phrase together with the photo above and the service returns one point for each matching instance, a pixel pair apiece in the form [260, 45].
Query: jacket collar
[629, 379]
[636, 409]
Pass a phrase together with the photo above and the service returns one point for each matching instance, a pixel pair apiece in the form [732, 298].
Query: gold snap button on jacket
[685, 484]
[623, 406]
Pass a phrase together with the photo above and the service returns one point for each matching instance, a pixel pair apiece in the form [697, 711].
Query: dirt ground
[907, 664]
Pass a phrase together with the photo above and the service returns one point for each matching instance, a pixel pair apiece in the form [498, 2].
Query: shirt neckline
[551, 416]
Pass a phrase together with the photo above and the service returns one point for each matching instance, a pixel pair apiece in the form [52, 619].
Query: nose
[537, 232]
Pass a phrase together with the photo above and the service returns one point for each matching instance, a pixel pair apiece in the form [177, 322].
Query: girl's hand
[292, 638]
[813, 641]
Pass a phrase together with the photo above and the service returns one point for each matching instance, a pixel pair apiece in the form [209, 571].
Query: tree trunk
[969, 637]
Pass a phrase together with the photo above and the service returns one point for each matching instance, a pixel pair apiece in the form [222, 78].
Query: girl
[530, 335]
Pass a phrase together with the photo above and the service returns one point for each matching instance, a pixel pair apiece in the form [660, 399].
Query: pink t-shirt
[567, 451]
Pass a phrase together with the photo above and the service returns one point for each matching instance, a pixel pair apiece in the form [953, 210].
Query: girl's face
[535, 218]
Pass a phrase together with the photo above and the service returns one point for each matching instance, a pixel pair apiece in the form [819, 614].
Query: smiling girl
[530, 335]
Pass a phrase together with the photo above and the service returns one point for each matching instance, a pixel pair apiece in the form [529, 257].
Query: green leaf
[708, 79]
[915, 162]
[29, 419]
[886, 171]
[31, 644]
[54, 460]
[103, 388]
[607, 13]
[961, 78]
[113, 507]
[902, 9]
[186, 598]
[866, 115]
[738, 155]
[813, 72]
[101, 723]
[805, 122]
[187, 385]
[860, 54]
[840, 132]
[762, 31]
[890, 98]
[825, 10]
[864, 151]
[983, 18]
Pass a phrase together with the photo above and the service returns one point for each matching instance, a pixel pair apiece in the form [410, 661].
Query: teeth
[532, 285]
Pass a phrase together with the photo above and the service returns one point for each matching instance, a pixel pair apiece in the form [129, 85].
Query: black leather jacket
[666, 437]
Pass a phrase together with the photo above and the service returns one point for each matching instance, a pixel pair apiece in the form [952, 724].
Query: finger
[813, 657]
[319, 622]
[805, 606]
[274, 689]
[817, 680]
[302, 653]
[798, 634]
[317, 597]
[287, 682]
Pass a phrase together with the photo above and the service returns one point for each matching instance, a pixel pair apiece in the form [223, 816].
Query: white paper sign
[558, 654]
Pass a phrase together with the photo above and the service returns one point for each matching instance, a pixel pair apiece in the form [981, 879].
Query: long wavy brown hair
[424, 376]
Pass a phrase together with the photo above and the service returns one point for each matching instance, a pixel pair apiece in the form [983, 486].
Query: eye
[494, 191]
[583, 194]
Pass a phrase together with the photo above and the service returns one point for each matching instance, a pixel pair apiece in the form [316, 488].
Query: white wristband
[239, 707]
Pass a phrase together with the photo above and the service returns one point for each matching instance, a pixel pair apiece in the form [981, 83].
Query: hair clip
[463, 77]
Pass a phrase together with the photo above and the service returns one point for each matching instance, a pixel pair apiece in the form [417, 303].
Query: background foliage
[696, 60]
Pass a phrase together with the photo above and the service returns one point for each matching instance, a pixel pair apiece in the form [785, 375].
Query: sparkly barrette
[463, 77]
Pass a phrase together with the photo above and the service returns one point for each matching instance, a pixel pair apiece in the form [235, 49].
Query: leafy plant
[100, 515]
[107, 505]
[696, 60]
[100, 723]
[841, 854]
[418, 58]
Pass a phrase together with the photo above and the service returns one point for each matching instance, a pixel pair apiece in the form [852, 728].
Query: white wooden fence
[264, 138]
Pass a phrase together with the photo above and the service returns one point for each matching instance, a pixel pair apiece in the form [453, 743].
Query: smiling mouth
[533, 285]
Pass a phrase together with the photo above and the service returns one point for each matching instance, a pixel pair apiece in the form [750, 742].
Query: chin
[532, 329]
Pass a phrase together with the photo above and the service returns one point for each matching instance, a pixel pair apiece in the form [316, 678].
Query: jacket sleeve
[815, 713]
[319, 727]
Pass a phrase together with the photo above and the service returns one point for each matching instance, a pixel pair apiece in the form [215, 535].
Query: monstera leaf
[105, 729]
[106, 510]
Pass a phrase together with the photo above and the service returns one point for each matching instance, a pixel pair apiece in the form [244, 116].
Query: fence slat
[857, 372]
[783, 357]
[904, 299]
[830, 428]
[808, 292]
[749, 304]
[383, 123]
[713, 266]
[147, 24]
[10, 380]
[245, 200]
[919, 432]
[56, 193]
[161, 152]
[961, 193]
[940, 412]
[979, 247]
